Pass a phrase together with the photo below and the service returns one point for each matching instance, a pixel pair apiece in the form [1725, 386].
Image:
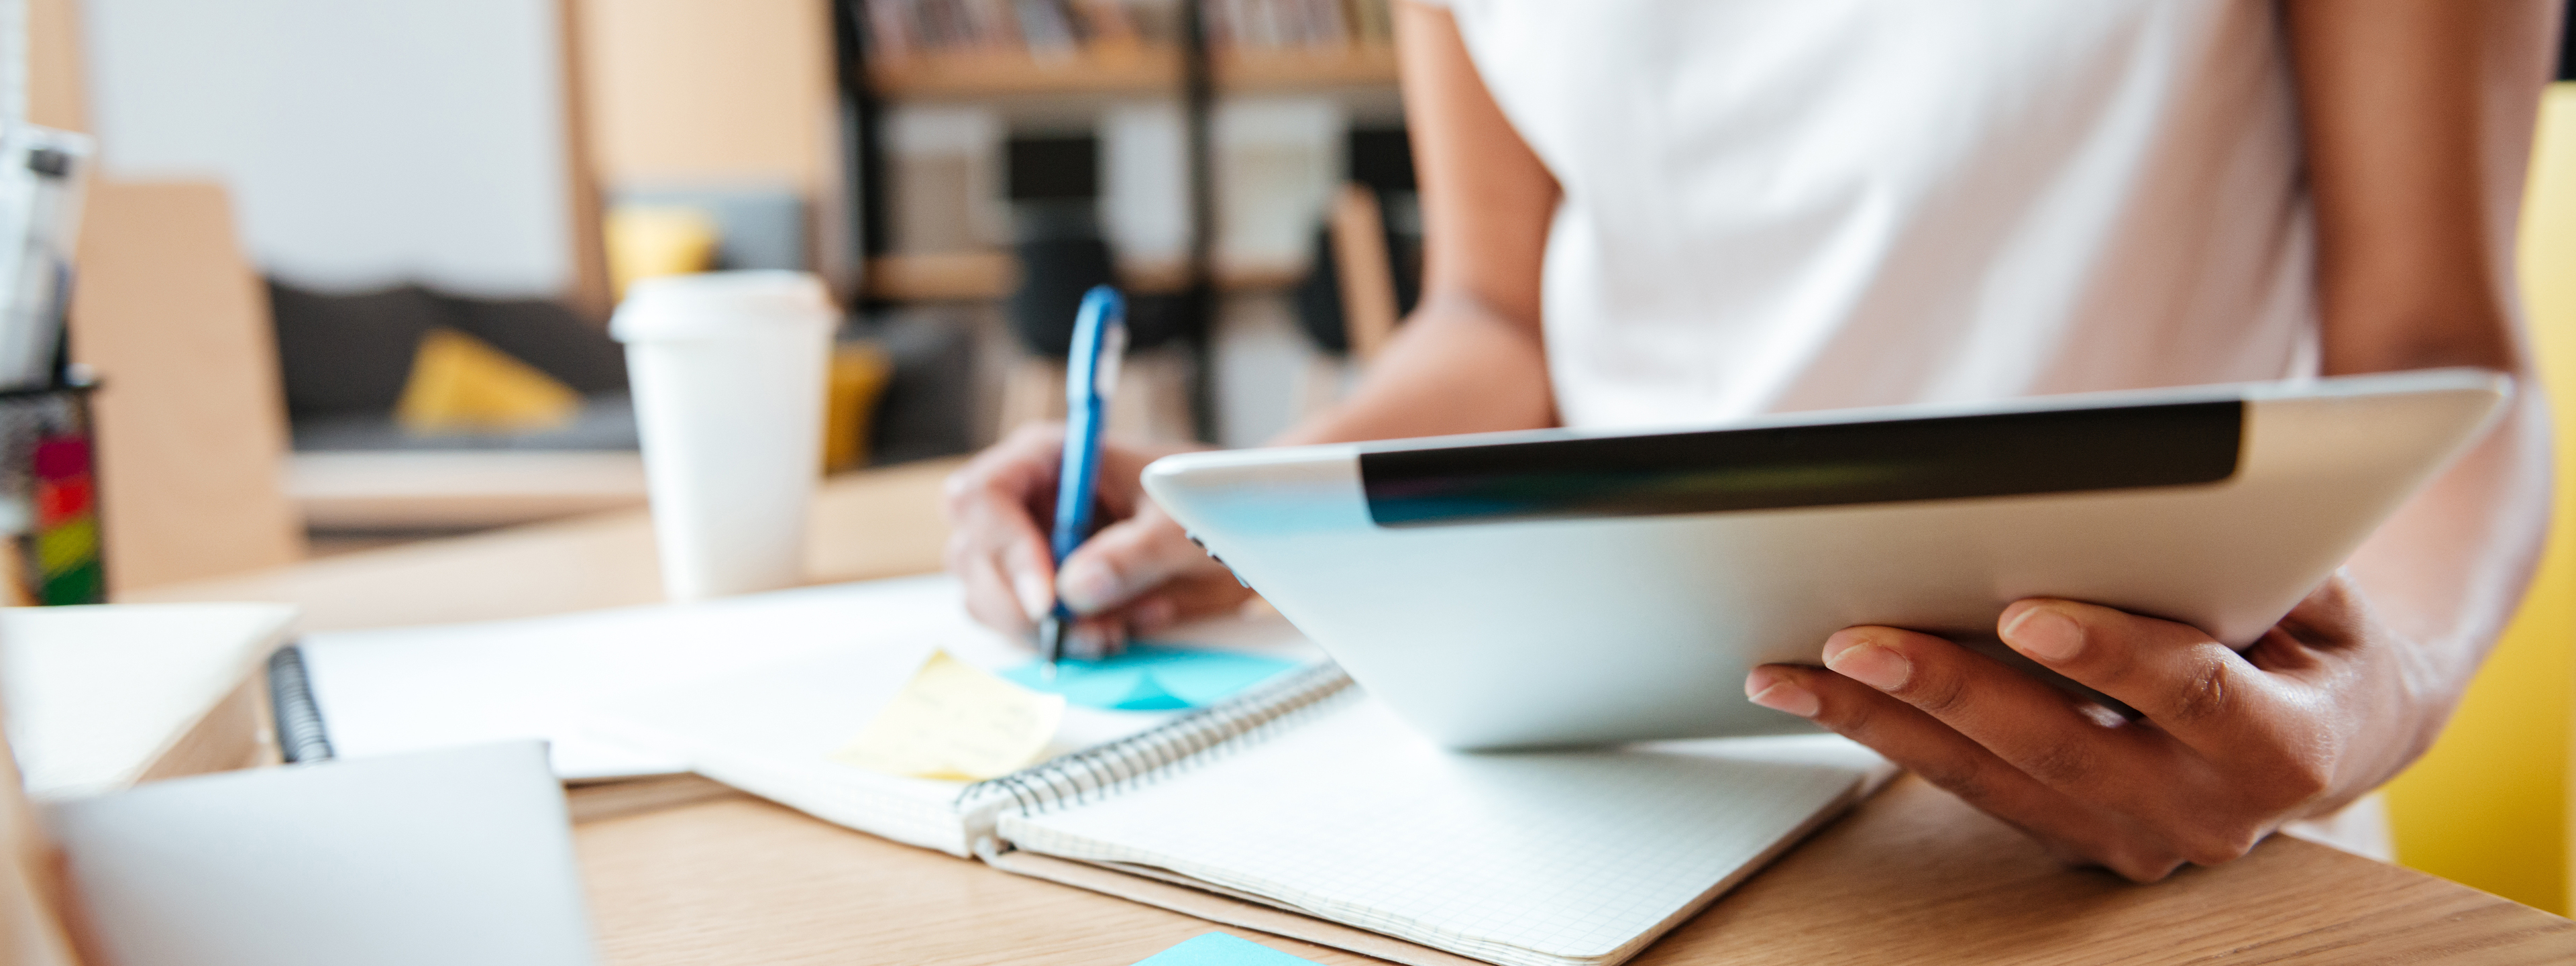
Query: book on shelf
[898, 29]
[1273, 24]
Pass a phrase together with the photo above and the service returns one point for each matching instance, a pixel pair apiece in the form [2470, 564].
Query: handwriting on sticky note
[1152, 677]
[956, 721]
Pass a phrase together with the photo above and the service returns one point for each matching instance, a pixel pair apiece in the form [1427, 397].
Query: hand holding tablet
[2231, 745]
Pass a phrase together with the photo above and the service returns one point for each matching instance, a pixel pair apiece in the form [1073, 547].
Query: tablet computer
[1563, 587]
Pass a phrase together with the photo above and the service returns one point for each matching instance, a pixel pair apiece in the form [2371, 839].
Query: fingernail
[1871, 664]
[2043, 633]
[1840, 642]
[1082, 643]
[1774, 691]
[1087, 586]
[1092, 642]
[1036, 597]
[1153, 615]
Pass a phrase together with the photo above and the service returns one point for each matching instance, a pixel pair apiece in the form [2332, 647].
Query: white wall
[1145, 181]
[13, 59]
[1277, 162]
[366, 142]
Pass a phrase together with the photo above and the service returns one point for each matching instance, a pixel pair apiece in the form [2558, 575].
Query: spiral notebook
[1304, 808]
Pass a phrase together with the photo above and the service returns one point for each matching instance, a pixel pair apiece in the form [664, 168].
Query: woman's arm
[2418, 118]
[1469, 359]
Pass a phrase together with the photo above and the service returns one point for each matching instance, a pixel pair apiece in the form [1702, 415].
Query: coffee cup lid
[717, 304]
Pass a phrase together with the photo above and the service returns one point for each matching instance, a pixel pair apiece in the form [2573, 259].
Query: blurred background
[442, 201]
[345, 266]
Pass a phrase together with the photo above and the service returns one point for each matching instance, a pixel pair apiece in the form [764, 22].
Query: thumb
[1123, 561]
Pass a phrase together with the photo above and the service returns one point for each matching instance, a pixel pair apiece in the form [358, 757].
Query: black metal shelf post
[862, 135]
[1199, 307]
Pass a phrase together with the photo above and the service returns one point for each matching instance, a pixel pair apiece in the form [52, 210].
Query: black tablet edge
[1818, 465]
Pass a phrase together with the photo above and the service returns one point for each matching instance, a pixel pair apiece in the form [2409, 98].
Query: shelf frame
[1123, 70]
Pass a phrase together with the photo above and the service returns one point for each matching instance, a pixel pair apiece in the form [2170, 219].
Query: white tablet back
[1562, 587]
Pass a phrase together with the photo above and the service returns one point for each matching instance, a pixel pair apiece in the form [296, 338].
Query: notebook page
[1516, 858]
[773, 729]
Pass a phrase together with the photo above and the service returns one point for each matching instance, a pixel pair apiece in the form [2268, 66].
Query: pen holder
[49, 498]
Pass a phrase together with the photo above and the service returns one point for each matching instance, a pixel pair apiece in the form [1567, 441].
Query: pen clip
[1113, 351]
[1099, 345]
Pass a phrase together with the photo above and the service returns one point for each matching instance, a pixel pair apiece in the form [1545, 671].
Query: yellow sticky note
[956, 721]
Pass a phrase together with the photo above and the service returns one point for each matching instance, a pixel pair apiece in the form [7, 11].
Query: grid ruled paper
[1567, 857]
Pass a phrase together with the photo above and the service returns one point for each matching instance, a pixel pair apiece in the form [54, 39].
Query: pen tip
[1050, 644]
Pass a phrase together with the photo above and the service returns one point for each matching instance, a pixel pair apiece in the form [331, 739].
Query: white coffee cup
[728, 373]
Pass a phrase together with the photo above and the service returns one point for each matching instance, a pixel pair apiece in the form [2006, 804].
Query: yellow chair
[649, 241]
[2488, 806]
[859, 375]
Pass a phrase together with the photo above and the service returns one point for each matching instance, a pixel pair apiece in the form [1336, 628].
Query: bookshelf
[944, 68]
[1357, 65]
[968, 52]
[970, 276]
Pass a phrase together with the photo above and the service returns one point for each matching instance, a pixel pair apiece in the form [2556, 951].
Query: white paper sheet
[408, 689]
[797, 670]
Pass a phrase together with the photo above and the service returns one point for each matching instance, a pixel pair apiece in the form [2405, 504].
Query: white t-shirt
[1776, 205]
[1803, 204]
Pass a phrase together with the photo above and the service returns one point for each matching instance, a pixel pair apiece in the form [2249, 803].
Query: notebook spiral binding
[1078, 777]
[300, 734]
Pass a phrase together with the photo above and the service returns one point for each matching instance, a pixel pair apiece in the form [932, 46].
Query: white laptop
[1566, 587]
[457, 856]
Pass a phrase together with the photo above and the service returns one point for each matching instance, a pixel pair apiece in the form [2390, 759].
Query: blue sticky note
[1152, 677]
[1219, 949]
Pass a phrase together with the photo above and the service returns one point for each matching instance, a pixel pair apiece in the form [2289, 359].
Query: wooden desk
[882, 523]
[1912, 876]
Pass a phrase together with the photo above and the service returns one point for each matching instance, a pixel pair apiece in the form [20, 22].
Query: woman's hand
[2327, 705]
[1136, 575]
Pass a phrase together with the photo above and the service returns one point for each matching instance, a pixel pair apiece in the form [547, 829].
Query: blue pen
[1090, 376]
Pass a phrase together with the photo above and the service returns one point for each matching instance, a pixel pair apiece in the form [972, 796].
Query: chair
[1366, 269]
[1352, 302]
[191, 423]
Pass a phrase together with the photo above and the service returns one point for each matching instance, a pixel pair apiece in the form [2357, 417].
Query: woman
[1667, 211]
